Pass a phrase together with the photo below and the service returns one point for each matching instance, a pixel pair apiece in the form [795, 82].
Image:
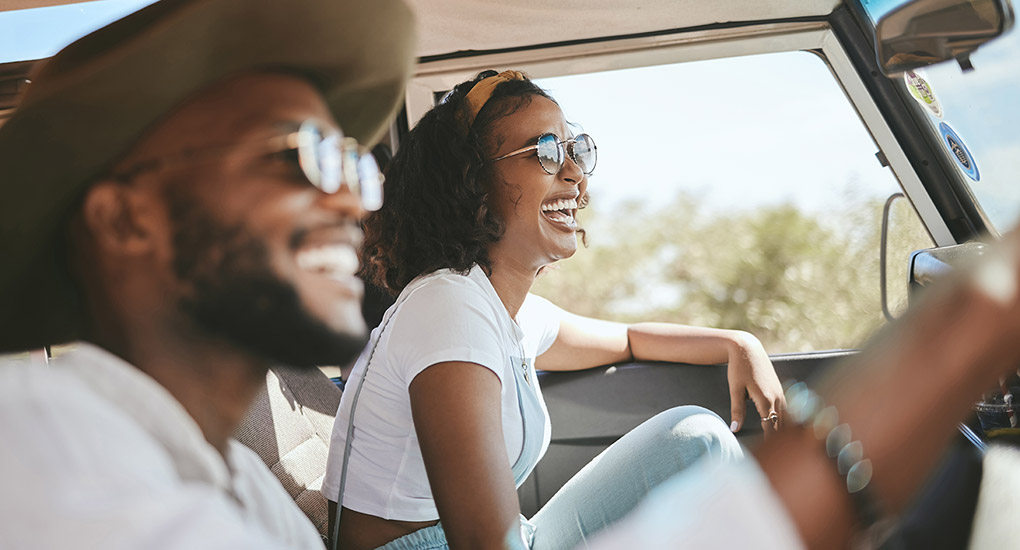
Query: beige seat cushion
[289, 426]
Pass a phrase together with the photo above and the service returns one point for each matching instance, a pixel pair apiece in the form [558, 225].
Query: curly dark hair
[436, 214]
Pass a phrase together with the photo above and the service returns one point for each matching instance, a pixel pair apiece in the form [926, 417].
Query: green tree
[796, 280]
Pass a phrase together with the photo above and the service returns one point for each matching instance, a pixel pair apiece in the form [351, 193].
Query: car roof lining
[451, 26]
[457, 27]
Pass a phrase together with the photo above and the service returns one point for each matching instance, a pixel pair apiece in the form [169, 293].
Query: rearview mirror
[924, 32]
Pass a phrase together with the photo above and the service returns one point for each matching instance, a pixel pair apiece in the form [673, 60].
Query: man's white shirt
[96, 454]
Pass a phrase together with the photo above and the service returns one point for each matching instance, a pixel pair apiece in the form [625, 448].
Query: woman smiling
[443, 416]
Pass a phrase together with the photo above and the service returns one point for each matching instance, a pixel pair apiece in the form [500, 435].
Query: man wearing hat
[181, 191]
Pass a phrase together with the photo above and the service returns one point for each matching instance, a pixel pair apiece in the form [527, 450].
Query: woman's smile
[561, 213]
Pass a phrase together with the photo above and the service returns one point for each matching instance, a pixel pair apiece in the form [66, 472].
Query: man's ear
[119, 217]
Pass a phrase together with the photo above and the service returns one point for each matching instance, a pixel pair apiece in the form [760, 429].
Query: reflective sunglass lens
[330, 161]
[329, 165]
[550, 153]
[308, 154]
[583, 152]
[370, 182]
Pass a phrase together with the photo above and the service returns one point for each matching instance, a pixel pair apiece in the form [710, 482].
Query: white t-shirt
[96, 454]
[439, 317]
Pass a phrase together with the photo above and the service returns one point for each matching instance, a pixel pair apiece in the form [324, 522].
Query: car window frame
[434, 77]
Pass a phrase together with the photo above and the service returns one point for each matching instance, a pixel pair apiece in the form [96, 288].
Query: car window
[974, 116]
[739, 192]
[878, 8]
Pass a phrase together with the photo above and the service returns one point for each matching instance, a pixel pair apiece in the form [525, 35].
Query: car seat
[289, 426]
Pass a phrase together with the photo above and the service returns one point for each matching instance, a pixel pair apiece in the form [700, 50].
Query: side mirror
[924, 32]
[927, 266]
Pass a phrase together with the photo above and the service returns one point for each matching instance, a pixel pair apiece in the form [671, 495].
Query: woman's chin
[565, 250]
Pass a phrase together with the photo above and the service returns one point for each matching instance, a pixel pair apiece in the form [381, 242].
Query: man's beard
[234, 293]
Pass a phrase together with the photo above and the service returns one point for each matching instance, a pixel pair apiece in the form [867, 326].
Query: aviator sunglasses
[552, 152]
[328, 160]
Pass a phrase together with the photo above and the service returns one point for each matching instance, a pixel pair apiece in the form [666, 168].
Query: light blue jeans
[616, 480]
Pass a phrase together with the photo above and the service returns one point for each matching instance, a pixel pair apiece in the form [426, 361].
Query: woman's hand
[750, 374]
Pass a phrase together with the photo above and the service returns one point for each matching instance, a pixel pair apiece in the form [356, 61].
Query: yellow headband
[482, 91]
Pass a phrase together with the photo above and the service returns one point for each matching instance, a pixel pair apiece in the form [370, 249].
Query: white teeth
[560, 217]
[560, 204]
[335, 259]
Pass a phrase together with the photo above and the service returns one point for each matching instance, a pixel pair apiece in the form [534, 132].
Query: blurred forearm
[902, 398]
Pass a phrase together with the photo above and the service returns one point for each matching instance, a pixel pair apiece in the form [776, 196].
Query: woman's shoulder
[445, 316]
[446, 298]
[449, 287]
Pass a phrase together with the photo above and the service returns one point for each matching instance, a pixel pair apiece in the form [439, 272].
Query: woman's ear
[119, 217]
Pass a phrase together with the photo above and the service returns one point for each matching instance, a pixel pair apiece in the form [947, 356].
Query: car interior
[289, 425]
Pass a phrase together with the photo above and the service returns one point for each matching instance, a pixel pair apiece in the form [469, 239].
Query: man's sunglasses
[552, 152]
[327, 158]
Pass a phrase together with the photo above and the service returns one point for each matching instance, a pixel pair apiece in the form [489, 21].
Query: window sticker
[922, 92]
[958, 150]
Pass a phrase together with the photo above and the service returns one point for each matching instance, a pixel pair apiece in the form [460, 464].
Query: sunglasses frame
[355, 167]
[562, 152]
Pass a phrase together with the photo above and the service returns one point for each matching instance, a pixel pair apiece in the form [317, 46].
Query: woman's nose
[571, 172]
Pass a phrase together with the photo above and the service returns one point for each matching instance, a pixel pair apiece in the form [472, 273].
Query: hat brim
[95, 98]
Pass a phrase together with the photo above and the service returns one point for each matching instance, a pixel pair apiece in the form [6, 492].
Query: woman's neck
[512, 282]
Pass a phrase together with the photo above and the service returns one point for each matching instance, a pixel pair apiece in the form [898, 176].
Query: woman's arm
[458, 419]
[584, 343]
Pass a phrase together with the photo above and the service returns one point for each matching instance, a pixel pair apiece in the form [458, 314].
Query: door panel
[591, 409]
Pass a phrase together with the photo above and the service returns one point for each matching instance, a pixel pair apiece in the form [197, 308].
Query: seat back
[289, 427]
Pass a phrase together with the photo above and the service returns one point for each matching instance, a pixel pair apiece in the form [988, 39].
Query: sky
[41, 32]
[878, 8]
[739, 133]
[777, 128]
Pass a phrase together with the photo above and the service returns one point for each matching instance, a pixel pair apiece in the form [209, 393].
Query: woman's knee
[694, 432]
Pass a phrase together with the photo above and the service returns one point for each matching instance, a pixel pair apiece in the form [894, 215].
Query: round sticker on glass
[958, 150]
[922, 92]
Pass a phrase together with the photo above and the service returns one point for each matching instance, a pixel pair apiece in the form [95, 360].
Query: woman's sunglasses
[552, 152]
[327, 158]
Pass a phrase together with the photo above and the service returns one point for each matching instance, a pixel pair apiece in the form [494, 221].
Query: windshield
[974, 116]
[978, 125]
